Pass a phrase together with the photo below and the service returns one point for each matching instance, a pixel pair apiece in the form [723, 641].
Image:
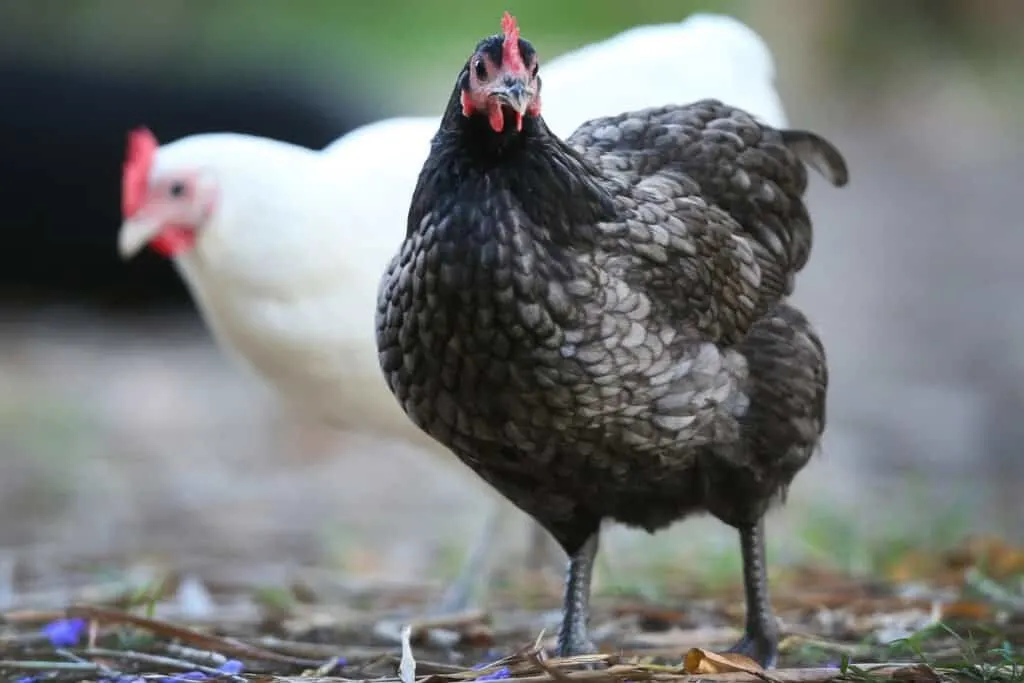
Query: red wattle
[495, 116]
[173, 240]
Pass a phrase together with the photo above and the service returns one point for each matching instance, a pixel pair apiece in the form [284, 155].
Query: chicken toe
[761, 648]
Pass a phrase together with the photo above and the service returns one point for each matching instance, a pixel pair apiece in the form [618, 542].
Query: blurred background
[124, 432]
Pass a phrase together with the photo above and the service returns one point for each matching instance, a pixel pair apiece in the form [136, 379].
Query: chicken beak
[515, 94]
[135, 235]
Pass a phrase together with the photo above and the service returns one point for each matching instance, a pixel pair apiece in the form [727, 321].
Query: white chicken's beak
[135, 235]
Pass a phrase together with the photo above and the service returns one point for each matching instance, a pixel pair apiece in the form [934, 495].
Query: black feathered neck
[545, 177]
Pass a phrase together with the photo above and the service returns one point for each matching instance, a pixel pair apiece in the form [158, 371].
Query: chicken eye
[481, 69]
[177, 189]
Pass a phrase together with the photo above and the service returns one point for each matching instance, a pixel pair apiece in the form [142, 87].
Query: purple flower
[232, 666]
[503, 672]
[64, 632]
[26, 679]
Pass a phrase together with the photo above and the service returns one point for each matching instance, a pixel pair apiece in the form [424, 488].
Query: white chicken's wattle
[288, 244]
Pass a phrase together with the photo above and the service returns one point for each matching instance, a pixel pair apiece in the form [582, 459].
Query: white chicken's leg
[460, 593]
[545, 562]
[542, 549]
[543, 554]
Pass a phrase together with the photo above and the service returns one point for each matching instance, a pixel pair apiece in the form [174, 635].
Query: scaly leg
[459, 595]
[760, 640]
[572, 636]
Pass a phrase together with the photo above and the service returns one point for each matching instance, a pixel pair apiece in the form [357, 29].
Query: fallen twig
[18, 665]
[158, 660]
[104, 670]
[299, 649]
[225, 646]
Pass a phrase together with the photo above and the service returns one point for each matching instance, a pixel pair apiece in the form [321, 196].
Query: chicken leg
[760, 639]
[572, 636]
[545, 563]
[459, 595]
[541, 549]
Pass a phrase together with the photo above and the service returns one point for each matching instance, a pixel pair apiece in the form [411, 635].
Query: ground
[936, 617]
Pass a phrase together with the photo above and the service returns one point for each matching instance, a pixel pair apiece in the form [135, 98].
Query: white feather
[707, 55]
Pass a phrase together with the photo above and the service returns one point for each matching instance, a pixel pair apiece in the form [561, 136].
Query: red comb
[142, 146]
[510, 57]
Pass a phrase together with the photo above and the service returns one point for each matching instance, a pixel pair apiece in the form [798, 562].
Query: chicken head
[165, 211]
[502, 78]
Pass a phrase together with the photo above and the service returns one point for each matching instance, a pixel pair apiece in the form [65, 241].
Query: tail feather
[819, 154]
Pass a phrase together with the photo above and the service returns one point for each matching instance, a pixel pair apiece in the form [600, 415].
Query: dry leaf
[477, 635]
[914, 564]
[999, 559]
[650, 613]
[701, 661]
[823, 580]
[965, 609]
[918, 673]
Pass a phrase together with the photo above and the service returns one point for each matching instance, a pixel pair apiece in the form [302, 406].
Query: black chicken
[598, 327]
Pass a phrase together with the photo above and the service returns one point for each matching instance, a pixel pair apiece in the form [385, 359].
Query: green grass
[982, 656]
[843, 540]
[822, 536]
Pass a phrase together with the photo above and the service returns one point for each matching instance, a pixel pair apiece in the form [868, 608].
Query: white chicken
[283, 247]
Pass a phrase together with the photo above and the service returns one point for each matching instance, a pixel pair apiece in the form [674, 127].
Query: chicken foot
[760, 639]
[572, 636]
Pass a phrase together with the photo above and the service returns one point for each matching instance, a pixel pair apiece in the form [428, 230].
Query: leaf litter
[957, 615]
